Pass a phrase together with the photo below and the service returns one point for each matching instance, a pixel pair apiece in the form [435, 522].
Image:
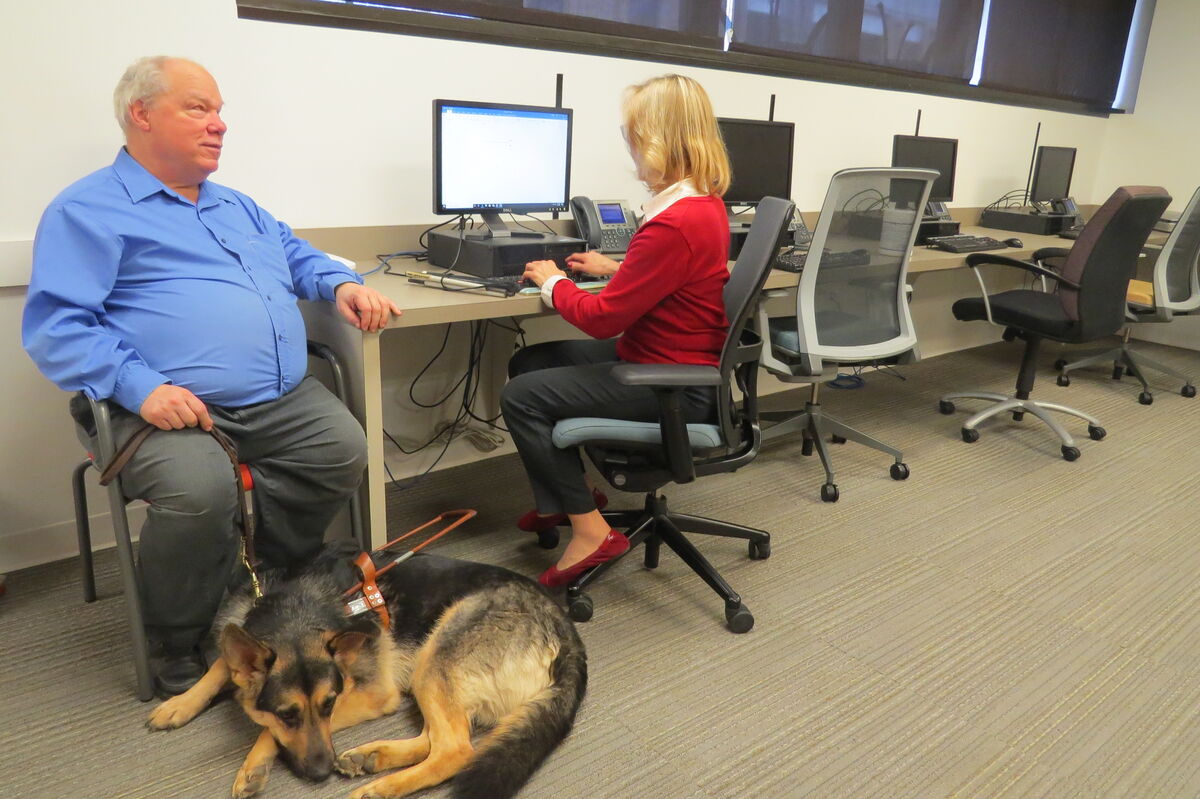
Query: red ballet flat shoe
[532, 523]
[613, 546]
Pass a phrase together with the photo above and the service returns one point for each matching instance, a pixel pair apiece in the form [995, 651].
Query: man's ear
[346, 645]
[248, 658]
[138, 115]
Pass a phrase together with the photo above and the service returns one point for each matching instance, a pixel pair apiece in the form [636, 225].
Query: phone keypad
[615, 239]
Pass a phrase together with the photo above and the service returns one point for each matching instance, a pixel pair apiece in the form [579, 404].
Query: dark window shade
[694, 22]
[928, 37]
[1072, 49]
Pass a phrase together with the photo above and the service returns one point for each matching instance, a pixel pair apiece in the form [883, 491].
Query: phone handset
[606, 225]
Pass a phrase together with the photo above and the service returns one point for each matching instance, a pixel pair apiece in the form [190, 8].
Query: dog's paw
[250, 781]
[173, 713]
[358, 761]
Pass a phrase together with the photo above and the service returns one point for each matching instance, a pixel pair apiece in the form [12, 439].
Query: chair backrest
[1177, 270]
[741, 296]
[1105, 257]
[858, 311]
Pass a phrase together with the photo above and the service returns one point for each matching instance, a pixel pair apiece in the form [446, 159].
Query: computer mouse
[1014, 242]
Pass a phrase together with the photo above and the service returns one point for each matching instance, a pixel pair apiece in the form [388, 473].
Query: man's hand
[364, 307]
[541, 271]
[592, 263]
[173, 408]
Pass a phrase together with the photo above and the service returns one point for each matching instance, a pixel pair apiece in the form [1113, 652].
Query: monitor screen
[489, 157]
[927, 152]
[760, 155]
[1052, 174]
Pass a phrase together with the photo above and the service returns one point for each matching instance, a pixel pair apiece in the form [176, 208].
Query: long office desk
[428, 306]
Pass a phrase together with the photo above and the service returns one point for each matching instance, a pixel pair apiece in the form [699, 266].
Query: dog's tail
[517, 746]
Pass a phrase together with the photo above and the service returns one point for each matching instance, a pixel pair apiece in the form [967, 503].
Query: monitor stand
[736, 224]
[498, 229]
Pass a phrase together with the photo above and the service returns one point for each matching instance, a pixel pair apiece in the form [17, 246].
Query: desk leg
[374, 488]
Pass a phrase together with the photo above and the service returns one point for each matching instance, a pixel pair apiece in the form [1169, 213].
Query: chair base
[816, 428]
[655, 525]
[1125, 361]
[1008, 403]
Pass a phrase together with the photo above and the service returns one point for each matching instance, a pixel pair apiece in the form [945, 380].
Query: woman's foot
[534, 522]
[613, 546]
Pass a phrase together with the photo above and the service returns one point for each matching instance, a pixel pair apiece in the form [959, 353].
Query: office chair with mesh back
[1173, 290]
[1087, 304]
[117, 501]
[645, 456]
[848, 314]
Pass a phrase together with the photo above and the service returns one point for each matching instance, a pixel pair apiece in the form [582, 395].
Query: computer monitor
[1052, 174]
[927, 152]
[492, 158]
[760, 155]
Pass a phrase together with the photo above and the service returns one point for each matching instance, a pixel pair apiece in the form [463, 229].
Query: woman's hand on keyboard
[592, 263]
[541, 271]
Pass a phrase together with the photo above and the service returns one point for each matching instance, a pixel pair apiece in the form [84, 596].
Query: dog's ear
[248, 658]
[346, 645]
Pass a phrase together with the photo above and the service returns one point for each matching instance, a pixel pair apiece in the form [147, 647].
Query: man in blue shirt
[176, 298]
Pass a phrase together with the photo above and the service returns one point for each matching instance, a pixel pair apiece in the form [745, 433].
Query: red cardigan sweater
[667, 297]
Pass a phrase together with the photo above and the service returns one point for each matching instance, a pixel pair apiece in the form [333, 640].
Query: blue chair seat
[582, 430]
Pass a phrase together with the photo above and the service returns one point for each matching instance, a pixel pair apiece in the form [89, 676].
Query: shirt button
[281, 337]
[222, 241]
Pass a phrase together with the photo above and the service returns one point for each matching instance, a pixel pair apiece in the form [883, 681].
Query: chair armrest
[1051, 252]
[666, 375]
[667, 380]
[977, 259]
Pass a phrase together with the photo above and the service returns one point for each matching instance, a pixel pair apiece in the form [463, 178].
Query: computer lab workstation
[492, 159]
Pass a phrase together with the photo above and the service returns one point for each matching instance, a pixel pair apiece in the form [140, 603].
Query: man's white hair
[144, 80]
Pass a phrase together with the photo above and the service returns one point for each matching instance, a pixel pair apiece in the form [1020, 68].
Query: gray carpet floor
[1003, 623]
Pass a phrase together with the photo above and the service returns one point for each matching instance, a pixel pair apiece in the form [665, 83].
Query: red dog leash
[366, 595]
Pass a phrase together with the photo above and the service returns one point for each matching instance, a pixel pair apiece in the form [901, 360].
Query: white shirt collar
[668, 197]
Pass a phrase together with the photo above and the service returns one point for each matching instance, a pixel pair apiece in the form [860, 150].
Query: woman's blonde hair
[673, 135]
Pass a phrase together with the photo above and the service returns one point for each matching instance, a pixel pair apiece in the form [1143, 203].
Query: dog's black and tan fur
[480, 648]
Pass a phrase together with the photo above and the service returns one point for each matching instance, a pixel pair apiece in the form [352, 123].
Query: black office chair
[1087, 304]
[117, 501]
[645, 456]
[1173, 290]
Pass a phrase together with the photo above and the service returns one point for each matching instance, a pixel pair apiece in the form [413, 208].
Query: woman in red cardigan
[664, 301]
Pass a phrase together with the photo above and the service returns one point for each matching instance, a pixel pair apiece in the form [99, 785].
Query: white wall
[1157, 145]
[331, 128]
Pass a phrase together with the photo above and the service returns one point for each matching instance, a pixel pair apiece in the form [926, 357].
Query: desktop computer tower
[498, 257]
[869, 224]
[1025, 222]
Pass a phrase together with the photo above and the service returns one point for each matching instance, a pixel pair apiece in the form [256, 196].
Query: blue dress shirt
[135, 286]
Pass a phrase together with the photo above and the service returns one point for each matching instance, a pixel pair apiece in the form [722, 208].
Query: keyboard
[965, 243]
[793, 261]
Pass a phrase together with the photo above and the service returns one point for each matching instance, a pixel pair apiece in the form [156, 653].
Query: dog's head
[294, 689]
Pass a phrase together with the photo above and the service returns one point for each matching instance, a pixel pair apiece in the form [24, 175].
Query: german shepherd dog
[480, 648]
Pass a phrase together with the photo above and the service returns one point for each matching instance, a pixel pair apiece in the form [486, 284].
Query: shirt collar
[668, 197]
[141, 184]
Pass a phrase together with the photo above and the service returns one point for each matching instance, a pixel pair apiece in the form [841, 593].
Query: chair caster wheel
[1146, 398]
[1070, 453]
[835, 439]
[760, 550]
[1118, 372]
[900, 471]
[1129, 372]
[1059, 364]
[1096, 433]
[970, 436]
[738, 618]
[946, 407]
[1009, 334]
[806, 448]
[548, 539]
[829, 493]
[1188, 391]
[1064, 380]
[579, 607]
[1018, 416]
